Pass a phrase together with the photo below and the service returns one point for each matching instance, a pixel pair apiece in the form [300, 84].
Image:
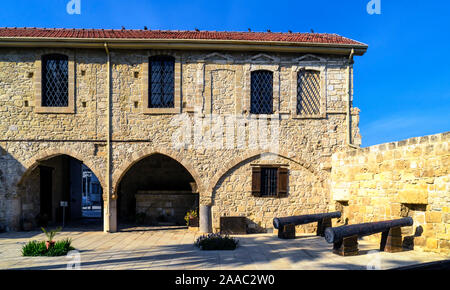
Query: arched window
[161, 82]
[261, 92]
[308, 92]
[55, 80]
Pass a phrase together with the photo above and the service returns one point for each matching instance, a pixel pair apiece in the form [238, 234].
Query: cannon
[286, 225]
[345, 238]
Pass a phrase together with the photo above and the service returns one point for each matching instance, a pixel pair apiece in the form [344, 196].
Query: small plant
[35, 248]
[191, 218]
[50, 235]
[212, 242]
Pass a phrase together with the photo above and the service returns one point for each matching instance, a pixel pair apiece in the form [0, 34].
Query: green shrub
[216, 242]
[35, 248]
[61, 248]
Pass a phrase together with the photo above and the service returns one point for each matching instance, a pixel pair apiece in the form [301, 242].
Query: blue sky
[402, 84]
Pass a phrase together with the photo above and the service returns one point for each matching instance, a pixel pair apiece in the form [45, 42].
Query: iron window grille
[161, 86]
[308, 92]
[55, 80]
[261, 92]
[269, 181]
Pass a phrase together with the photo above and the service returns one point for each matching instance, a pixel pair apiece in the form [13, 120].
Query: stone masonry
[214, 82]
[399, 179]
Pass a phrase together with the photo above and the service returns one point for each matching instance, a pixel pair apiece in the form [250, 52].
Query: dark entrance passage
[156, 191]
[46, 180]
[56, 190]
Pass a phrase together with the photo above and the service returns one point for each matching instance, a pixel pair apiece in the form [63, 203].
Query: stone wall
[307, 193]
[165, 207]
[393, 180]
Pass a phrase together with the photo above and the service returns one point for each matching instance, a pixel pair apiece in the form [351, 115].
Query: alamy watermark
[375, 260]
[74, 7]
[374, 7]
[226, 132]
[75, 260]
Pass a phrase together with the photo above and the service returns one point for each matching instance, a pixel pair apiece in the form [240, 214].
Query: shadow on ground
[255, 252]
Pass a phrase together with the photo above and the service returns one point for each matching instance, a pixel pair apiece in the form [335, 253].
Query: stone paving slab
[172, 248]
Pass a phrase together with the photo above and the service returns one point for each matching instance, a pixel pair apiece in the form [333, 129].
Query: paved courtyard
[172, 248]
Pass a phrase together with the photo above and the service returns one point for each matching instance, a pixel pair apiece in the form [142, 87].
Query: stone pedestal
[322, 225]
[347, 247]
[287, 232]
[391, 241]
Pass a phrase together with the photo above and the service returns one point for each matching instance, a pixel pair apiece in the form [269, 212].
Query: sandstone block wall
[393, 180]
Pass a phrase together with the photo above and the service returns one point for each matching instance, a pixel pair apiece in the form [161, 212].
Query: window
[261, 92]
[161, 82]
[55, 80]
[308, 92]
[269, 181]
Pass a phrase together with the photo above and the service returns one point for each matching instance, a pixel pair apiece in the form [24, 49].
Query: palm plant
[50, 235]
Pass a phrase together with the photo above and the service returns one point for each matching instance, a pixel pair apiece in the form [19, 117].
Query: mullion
[161, 95]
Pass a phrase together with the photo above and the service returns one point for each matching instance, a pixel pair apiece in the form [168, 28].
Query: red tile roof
[315, 38]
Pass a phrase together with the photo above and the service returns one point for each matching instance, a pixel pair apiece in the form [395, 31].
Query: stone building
[261, 109]
[256, 125]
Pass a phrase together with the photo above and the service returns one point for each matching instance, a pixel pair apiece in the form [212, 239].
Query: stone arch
[250, 155]
[120, 172]
[33, 162]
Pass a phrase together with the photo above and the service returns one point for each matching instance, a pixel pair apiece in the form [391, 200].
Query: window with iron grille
[161, 82]
[261, 92]
[55, 80]
[269, 181]
[308, 92]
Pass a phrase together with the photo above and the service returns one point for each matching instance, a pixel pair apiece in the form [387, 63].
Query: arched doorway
[61, 190]
[156, 191]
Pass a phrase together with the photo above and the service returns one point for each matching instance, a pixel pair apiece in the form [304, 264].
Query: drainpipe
[107, 220]
[349, 95]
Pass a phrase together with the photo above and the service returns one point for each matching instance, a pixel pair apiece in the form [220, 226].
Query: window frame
[321, 69]
[281, 181]
[313, 106]
[38, 84]
[176, 109]
[252, 73]
[45, 59]
[245, 105]
[162, 59]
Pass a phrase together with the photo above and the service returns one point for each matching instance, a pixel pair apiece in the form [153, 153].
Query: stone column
[110, 216]
[205, 219]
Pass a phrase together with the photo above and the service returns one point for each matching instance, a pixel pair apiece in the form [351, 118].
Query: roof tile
[319, 38]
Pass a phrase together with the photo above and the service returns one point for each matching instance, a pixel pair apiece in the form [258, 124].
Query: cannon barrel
[333, 235]
[303, 219]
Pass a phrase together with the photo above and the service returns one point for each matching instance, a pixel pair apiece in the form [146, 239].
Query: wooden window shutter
[256, 181]
[282, 182]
